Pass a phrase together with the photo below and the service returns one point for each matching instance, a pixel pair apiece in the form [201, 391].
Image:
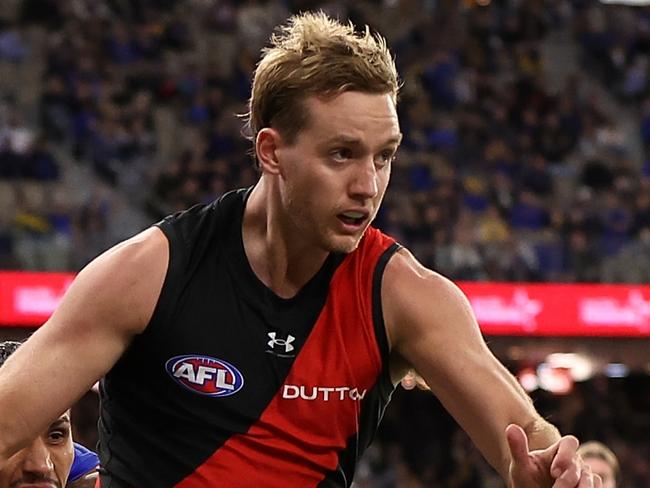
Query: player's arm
[108, 303]
[431, 326]
[84, 471]
[87, 481]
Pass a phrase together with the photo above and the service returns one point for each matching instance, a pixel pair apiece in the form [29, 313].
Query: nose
[37, 459]
[365, 183]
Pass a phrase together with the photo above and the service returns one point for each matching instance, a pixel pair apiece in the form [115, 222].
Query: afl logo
[205, 375]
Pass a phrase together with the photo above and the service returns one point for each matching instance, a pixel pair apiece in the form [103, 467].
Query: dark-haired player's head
[7, 348]
[46, 461]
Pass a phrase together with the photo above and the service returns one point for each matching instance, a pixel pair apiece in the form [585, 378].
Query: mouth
[353, 219]
[38, 484]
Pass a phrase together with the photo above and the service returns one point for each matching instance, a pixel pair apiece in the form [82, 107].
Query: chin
[343, 245]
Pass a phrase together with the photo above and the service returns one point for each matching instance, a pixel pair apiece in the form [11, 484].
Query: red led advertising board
[560, 309]
[28, 299]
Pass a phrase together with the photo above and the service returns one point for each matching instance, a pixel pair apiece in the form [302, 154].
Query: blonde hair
[598, 450]
[313, 54]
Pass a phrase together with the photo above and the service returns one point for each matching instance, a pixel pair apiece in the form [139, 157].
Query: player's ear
[266, 146]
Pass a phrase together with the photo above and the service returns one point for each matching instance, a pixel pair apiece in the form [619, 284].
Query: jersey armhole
[386, 385]
[171, 288]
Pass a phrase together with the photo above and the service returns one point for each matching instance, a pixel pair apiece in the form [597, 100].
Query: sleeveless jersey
[232, 386]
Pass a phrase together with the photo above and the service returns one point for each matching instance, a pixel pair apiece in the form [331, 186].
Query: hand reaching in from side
[557, 466]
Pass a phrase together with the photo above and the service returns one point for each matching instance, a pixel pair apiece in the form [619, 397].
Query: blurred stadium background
[524, 173]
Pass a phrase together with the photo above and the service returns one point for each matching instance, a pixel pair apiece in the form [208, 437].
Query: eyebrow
[60, 422]
[345, 139]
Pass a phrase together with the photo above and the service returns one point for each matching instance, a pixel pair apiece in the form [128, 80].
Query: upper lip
[36, 484]
[362, 211]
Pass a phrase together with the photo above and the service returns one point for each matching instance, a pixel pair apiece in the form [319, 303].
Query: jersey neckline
[314, 286]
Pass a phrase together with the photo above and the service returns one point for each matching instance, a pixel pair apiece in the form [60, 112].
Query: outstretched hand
[557, 466]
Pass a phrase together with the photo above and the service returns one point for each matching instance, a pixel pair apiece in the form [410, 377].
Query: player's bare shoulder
[108, 303]
[123, 283]
[403, 265]
[416, 299]
[148, 249]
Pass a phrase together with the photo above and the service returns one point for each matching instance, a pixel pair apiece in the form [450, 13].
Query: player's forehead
[353, 116]
[64, 418]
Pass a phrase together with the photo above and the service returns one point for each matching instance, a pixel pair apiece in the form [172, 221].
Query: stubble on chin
[345, 246]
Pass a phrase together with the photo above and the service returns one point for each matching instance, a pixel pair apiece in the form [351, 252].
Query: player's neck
[280, 257]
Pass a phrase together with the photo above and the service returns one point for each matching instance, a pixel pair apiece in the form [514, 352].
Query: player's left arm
[432, 327]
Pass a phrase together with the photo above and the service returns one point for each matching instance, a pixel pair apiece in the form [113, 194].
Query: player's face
[602, 468]
[45, 463]
[334, 176]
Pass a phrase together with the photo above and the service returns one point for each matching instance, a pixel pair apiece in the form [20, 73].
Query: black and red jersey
[233, 386]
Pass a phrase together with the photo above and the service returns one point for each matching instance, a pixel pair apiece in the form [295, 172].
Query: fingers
[588, 479]
[518, 443]
[598, 482]
[565, 457]
[580, 476]
[573, 477]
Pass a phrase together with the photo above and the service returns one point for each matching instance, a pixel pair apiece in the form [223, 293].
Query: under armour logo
[286, 343]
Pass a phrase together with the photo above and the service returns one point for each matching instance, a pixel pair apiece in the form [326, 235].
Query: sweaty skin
[45, 463]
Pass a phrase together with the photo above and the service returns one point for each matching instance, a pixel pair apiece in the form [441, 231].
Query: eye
[384, 158]
[58, 436]
[341, 154]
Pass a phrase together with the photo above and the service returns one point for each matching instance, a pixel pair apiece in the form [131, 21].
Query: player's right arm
[109, 302]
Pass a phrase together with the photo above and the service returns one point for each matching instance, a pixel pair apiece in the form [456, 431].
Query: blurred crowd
[613, 411]
[114, 108]
[502, 175]
[499, 177]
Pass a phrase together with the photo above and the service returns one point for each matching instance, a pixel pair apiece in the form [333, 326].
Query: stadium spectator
[602, 461]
